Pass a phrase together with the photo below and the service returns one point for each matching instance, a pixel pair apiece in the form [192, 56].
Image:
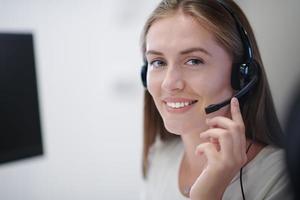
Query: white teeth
[178, 104]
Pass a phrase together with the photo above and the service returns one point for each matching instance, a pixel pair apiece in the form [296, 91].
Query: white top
[264, 177]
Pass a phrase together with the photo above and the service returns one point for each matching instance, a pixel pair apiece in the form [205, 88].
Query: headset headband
[243, 33]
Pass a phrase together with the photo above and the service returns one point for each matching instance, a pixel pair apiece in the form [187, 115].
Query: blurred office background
[88, 62]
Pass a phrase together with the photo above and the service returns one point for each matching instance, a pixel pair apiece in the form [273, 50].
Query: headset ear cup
[235, 77]
[144, 74]
[245, 74]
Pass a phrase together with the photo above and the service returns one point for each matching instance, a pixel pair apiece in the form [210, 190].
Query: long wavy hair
[258, 110]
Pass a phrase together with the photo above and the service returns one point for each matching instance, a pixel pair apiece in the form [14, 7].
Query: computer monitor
[20, 127]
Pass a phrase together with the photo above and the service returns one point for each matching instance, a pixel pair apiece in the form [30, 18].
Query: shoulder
[269, 168]
[265, 177]
[269, 158]
[164, 158]
[164, 151]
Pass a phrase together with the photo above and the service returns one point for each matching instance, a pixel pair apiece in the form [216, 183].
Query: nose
[173, 80]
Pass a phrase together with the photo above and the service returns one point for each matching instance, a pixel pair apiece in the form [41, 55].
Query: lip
[178, 110]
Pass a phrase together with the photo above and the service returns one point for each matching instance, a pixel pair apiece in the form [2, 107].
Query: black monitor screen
[20, 129]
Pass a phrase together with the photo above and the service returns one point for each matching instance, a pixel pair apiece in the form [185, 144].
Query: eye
[157, 64]
[194, 62]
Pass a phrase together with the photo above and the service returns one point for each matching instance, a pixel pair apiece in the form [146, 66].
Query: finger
[239, 148]
[219, 122]
[229, 141]
[224, 138]
[208, 150]
[235, 130]
[235, 111]
[229, 146]
[239, 126]
[215, 142]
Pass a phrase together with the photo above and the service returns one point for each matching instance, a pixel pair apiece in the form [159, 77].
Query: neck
[191, 141]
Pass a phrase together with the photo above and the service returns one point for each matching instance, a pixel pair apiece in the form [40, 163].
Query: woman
[190, 49]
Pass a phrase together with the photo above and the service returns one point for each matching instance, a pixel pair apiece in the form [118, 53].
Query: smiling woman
[198, 53]
[189, 60]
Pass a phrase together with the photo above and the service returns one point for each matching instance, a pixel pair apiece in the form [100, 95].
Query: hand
[225, 152]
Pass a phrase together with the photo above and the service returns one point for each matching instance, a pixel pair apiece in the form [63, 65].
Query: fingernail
[235, 101]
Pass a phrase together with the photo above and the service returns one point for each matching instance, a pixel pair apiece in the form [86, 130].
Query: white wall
[88, 63]
[277, 28]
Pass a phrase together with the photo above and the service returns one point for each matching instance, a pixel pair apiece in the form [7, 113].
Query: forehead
[177, 32]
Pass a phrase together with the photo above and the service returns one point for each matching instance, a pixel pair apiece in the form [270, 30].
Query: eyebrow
[186, 51]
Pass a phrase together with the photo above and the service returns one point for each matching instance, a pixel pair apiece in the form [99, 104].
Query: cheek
[213, 86]
[223, 78]
[154, 88]
[220, 87]
[218, 83]
[154, 82]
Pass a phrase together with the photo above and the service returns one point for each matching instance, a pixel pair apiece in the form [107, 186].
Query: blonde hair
[258, 111]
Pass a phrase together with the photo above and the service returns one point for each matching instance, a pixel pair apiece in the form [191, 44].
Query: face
[187, 71]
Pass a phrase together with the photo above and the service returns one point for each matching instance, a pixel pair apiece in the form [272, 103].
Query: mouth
[180, 104]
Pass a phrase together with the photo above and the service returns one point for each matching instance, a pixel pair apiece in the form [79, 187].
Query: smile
[177, 105]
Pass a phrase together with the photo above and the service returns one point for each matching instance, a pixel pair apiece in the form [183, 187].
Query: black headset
[243, 76]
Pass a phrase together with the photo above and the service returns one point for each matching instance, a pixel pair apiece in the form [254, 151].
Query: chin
[181, 128]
